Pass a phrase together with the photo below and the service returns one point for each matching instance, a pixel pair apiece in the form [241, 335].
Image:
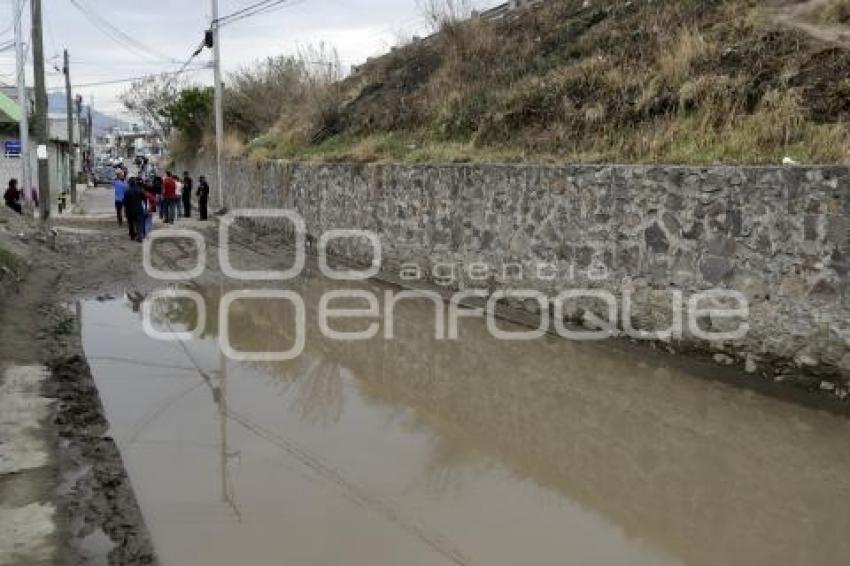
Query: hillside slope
[679, 81]
[103, 123]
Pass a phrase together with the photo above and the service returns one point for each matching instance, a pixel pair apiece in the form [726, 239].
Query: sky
[173, 28]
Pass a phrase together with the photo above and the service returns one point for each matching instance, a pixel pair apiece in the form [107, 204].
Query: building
[127, 145]
[58, 148]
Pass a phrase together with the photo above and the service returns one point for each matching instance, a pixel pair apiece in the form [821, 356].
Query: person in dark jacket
[203, 196]
[134, 208]
[187, 195]
[156, 186]
[12, 196]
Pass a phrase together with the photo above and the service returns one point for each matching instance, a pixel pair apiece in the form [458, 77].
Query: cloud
[357, 28]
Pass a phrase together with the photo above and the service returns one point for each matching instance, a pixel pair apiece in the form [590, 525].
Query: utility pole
[70, 114]
[219, 112]
[78, 106]
[91, 132]
[91, 143]
[23, 99]
[41, 132]
[81, 131]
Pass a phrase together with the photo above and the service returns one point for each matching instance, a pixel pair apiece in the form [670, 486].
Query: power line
[194, 54]
[19, 12]
[244, 10]
[107, 71]
[128, 39]
[254, 10]
[133, 79]
[128, 42]
[110, 62]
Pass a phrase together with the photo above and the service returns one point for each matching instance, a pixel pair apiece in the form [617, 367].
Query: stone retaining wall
[779, 235]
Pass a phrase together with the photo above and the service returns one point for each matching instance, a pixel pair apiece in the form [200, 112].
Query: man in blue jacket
[119, 185]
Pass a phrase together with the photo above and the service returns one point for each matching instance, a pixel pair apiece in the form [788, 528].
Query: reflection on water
[418, 451]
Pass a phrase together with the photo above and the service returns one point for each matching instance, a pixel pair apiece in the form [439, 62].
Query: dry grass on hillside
[833, 12]
[682, 81]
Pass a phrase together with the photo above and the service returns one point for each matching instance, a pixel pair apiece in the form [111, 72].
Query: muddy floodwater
[416, 451]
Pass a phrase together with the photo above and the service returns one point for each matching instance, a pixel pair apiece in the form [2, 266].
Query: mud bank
[65, 498]
[96, 501]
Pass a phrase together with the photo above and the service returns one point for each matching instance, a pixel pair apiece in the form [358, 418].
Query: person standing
[187, 195]
[169, 196]
[119, 185]
[134, 206]
[203, 196]
[178, 198]
[12, 196]
[156, 187]
[150, 209]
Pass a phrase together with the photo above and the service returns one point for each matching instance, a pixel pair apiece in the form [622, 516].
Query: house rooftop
[10, 112]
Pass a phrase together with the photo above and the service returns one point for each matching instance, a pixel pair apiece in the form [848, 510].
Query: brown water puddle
[418, 451]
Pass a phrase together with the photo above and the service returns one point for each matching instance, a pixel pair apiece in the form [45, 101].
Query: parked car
[104, 174]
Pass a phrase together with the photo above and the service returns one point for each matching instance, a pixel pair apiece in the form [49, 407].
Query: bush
[684, 81]
[834, 12]
[257, 97]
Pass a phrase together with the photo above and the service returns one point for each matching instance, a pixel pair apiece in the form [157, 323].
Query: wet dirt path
[410, 451]
[420, 451]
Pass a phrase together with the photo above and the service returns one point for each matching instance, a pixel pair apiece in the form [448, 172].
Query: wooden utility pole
[70, 114]
[40, 118]
[23, 100]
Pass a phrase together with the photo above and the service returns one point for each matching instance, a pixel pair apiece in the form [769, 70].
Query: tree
[148, 98]
[190, 111]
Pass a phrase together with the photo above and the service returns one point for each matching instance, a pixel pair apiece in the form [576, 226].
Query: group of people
[138, 199]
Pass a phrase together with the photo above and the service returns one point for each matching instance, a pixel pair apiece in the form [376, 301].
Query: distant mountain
[102, 122]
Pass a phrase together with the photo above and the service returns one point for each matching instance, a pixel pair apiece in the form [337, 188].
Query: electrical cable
[128, 42]
[255, 10]
[18, 14]
[128, 39]
[253, 6]
[132, 79]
